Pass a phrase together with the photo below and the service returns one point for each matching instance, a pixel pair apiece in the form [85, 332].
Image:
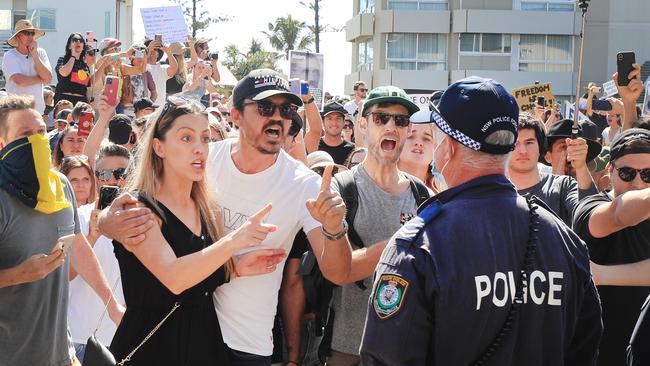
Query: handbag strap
[153, 331]
[527, 268]
[108, 301]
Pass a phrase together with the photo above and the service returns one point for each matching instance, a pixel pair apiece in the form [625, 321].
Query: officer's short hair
[528, 121]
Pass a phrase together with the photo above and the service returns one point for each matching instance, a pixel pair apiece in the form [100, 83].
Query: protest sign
[165, 20]
[568, 111]
[421, 100]
[308, 66]
[609, 89]
[527, 95]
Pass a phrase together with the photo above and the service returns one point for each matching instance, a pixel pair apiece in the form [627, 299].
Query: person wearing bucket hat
[561, 193]
[26, 67]
[615, 225]
[478, 253]
[332, 141]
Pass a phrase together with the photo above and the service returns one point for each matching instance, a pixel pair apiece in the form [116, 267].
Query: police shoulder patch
[389, 295]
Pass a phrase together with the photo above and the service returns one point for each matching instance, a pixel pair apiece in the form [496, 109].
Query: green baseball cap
[389, 94]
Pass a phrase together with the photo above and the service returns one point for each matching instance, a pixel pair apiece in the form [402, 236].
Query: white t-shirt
[246, 305]
[606, 140]
[15, 62]
[351, 107]
[159, 74]
[85, 308]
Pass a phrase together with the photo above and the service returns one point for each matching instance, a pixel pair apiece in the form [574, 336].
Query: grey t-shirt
[560, 193]
[33, 316]
[379, 216]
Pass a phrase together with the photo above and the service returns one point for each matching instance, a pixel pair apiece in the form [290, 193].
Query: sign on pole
[309, 66]
[166, 20]
[421, 100]
[527, 95]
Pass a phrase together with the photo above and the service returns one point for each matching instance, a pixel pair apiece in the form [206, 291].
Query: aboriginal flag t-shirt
[78, 80]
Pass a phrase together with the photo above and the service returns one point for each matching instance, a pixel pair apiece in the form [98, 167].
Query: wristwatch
[337, 236]
[310, 100]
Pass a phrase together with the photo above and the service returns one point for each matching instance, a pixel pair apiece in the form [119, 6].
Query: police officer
[481, 276]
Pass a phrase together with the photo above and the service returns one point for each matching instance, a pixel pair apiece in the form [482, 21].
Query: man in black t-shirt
[616, 227]
[561, 193]
[332, 141]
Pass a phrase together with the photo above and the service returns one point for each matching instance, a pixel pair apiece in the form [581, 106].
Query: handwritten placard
[609, 89]
[527, 95]
[165, 20]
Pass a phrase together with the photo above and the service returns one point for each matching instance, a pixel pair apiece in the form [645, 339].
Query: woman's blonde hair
[146, 177]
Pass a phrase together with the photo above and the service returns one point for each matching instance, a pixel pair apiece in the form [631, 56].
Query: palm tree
[241, 63]
[287, 34]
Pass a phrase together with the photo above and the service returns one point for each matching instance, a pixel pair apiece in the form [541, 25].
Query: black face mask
[25, 174]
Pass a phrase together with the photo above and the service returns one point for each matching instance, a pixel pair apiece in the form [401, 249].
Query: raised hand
[254, 231]
[259, 262]
[328, 208]
[633, 90]
[576, 150]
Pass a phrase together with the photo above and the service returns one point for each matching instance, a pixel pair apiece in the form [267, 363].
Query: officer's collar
[484, 186]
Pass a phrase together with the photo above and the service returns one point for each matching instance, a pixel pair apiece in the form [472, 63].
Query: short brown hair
[356, 84]
[10, 104]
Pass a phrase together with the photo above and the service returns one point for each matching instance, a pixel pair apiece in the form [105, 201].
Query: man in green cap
[386, 198]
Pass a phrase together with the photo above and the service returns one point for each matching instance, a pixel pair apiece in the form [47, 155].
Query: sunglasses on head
[267, 109]
[628, 174]
[105, 175]
[401, 120]
[28, 33]
[82, 158]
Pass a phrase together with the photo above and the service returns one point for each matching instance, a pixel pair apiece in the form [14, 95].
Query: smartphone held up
[624, 61]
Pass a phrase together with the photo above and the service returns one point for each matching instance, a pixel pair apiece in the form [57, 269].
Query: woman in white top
[614, 129]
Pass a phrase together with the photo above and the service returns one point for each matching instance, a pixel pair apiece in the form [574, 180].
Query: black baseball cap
[263, 83]
[333, 107]
[470, 110]
[143, 103]
[619, 148]
[562, 130]
[119, 129]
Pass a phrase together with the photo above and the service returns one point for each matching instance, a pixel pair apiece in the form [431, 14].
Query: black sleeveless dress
[191, 335]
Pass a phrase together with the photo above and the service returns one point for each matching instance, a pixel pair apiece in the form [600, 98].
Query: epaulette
[412, 229]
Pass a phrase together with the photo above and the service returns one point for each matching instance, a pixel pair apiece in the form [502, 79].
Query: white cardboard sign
[166, 20]
[609, 89]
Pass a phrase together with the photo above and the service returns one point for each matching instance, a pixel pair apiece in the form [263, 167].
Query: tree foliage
[288, 33]
[255, 57]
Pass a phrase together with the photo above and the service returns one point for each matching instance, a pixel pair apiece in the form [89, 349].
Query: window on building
[43, 18]
[551, 5]
[365, 56]
[494, 43]
[413, 51]
[545, 53]
[418, 5]
[17, 15]
[107, 24]
[366, 6]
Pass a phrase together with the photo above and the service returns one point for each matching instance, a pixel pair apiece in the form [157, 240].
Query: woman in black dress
[180, 263]
[72, 72]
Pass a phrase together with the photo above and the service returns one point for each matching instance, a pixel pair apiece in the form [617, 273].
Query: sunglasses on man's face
[363, 90]
[105, 175]
[28, 33]
[628, 174]
[381, 118]
[267, 109]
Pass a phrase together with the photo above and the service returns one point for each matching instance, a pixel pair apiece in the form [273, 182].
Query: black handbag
[97, 354]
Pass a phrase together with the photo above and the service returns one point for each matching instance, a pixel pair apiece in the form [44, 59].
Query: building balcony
[360, 27]
[405, 79]
[515, 22]
[390, 21]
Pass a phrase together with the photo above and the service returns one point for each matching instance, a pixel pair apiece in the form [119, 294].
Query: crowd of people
[177, 225]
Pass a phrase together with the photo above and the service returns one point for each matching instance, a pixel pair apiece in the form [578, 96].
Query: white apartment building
[424, 45]
[60, 18]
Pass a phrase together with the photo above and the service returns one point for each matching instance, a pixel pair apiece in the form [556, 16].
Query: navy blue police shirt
[446, 280]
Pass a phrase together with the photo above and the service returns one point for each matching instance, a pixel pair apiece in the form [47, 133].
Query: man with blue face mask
[38, 207]
[482, 276]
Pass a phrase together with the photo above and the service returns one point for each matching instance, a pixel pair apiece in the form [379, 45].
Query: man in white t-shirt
[360, 93]
[26, 67]
[159, 72]
[245, 174]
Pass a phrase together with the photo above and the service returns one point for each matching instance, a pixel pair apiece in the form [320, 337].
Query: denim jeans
[80, 351]
[239, 358]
